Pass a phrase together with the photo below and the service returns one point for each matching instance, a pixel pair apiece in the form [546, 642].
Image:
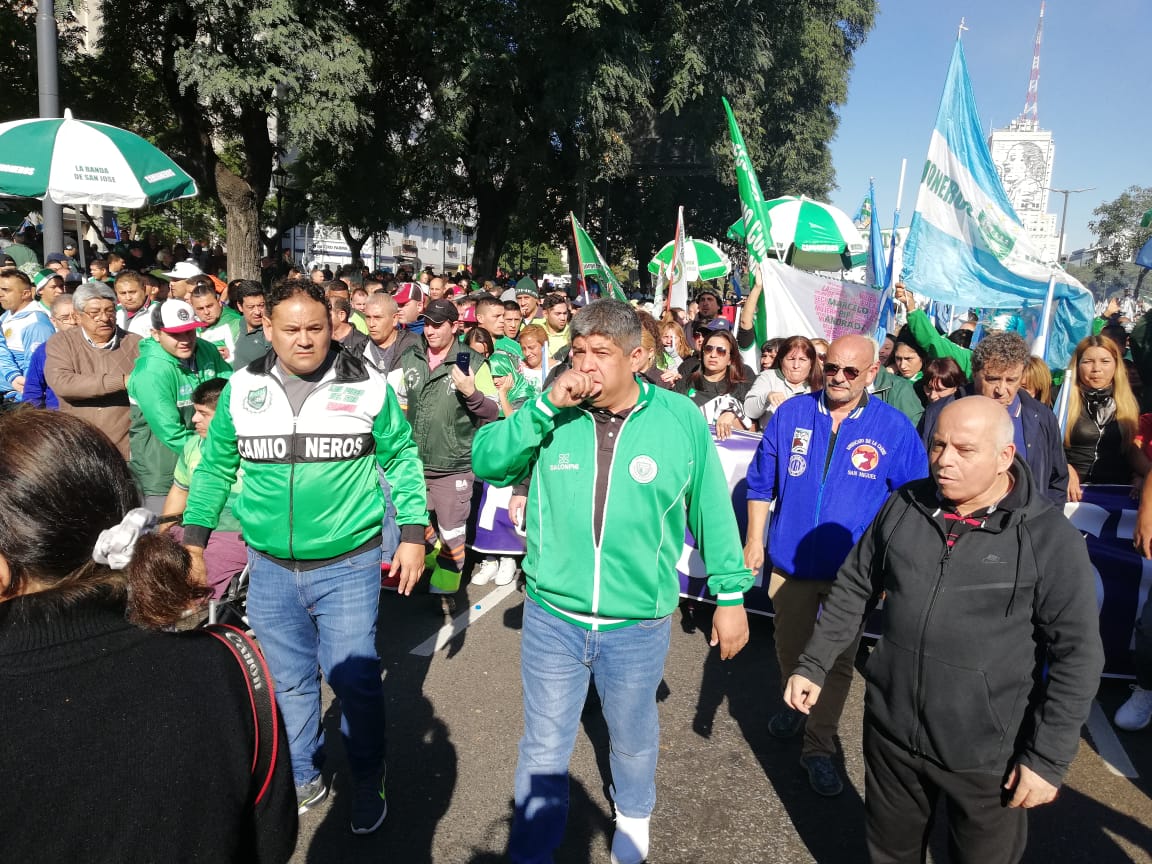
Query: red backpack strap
[264, 717]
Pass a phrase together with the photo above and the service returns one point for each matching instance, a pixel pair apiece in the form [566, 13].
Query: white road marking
[460, 623]
[1108, 744]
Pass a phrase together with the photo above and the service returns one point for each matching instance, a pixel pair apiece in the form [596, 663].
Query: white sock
[630, 842]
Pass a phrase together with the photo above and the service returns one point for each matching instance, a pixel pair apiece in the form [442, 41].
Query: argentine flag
[966, 245]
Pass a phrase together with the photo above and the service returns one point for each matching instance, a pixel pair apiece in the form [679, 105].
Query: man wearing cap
[707, 310]
[70, 257]
[134, 311]
[181, 279]
[528, 296]
[410, 299]
[24, 326]
[172, 364]
[49, 285]
[88, 366]
[445, 408]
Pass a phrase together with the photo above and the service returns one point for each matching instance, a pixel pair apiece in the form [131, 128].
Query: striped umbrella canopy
[79, 162]
[702, 260]
[811, 235]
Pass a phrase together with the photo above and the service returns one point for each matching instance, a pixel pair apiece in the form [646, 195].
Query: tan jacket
[89, 382]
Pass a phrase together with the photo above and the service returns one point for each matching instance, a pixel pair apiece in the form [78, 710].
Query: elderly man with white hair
[88, 366]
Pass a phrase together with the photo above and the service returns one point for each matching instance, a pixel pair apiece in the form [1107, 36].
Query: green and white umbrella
[811, 235]
[84, 163]
[702, 260]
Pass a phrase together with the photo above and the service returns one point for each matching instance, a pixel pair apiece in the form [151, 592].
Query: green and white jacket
[665, 476]
[311, 489]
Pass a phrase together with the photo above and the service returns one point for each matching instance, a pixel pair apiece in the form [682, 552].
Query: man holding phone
[438, 382]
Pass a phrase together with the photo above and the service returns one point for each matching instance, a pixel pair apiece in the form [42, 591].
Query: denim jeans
[556, 660]
[390, 530]
[323, 619]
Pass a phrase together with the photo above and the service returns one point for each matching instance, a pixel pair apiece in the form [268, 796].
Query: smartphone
[463, 359]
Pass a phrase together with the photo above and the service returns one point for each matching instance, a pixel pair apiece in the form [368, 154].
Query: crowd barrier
[1106, 517]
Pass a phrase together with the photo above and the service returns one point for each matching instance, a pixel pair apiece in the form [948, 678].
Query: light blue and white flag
[966, 245]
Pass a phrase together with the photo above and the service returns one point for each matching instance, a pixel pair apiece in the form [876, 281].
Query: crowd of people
[331, 433]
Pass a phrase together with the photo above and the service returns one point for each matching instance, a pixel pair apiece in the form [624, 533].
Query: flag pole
[896, 219]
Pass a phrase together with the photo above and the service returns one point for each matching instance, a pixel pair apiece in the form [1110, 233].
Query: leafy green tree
[1117, 225]
[1120, 235]
[234, 84]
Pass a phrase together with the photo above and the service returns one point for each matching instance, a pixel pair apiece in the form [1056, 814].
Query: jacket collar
[347, 367]
[856, 412]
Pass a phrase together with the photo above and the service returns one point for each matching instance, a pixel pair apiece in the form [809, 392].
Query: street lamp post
[279, 182]
[48, 78]
[1064, 213]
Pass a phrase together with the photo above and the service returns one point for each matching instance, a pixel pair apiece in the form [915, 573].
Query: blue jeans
[556, 660]
[323, 619]
[390, 530]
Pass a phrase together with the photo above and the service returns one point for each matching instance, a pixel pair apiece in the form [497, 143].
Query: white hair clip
[115, 546]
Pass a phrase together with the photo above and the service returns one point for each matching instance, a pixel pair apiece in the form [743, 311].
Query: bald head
[849, 367]
[859, 345]
[971, 452]
[983, 413]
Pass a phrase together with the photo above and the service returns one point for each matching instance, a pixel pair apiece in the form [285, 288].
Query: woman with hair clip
[1100, 441]
[121, 742]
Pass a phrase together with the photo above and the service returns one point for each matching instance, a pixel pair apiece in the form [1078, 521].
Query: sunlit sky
[1093, 95]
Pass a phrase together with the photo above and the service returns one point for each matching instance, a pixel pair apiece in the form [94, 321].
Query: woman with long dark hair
[122, 743]
[718, 386]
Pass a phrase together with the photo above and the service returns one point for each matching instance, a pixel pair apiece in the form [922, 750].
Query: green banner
[754, 221]
[592, 263]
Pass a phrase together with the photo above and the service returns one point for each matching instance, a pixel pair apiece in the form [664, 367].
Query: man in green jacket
[310, 424]
[172, 364]
[618, 469]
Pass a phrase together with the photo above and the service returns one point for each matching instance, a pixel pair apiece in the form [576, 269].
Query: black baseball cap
[439, 311]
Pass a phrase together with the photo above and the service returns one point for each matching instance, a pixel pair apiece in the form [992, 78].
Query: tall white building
[1023, 154]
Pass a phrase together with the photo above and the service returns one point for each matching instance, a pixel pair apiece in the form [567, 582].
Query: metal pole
[279, 230]
[48, 80]
[1064, 214]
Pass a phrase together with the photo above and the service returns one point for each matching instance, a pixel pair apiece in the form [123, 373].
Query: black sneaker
[309, 795]
[369, 806]
[822, 775]
[786, 723]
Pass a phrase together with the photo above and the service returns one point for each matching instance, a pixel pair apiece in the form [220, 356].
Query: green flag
[755, 226]
[592, 263]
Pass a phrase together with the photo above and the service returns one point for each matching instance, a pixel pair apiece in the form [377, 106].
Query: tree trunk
[243, 222]
[494, 214]
[355, 244]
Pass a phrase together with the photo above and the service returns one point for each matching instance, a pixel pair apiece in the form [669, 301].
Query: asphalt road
[727, 791]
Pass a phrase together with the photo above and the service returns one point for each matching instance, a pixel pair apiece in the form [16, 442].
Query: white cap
[184, 270]
[174, 316]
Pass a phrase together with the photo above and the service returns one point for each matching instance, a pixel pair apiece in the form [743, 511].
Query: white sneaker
[1136, 713]
[483, 574]
[506, 572]
[630, 842]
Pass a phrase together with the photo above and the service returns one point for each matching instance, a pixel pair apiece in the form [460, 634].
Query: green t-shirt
[182, 477]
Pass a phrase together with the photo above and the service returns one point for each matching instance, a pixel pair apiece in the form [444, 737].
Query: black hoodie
[958, 674]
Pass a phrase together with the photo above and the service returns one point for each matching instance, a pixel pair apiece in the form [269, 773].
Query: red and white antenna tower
[1031, 110]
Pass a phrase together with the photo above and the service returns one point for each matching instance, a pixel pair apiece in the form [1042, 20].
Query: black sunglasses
[831, 370]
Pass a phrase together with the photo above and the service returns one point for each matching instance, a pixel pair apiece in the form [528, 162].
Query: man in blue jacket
[829, 460]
